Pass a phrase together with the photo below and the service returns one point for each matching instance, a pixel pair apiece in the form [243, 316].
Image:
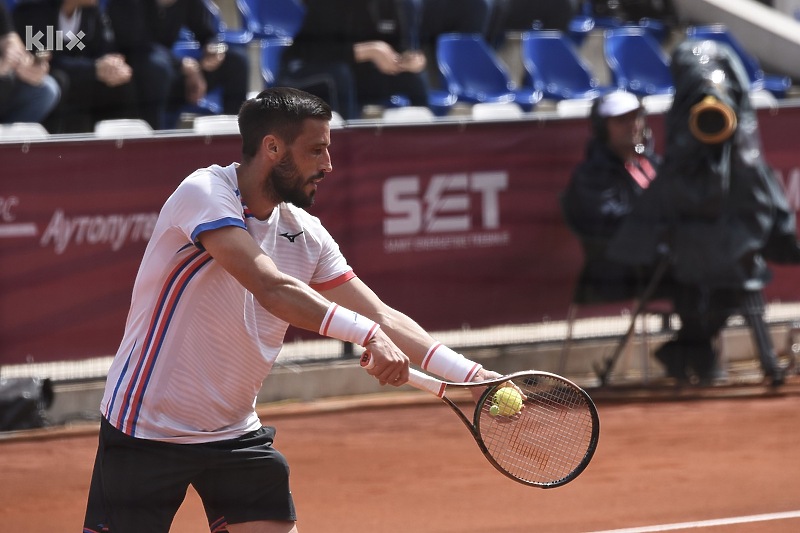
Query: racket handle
[425, 382]
[416, 378]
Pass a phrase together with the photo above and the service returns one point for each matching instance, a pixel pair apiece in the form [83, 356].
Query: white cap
[618, 103]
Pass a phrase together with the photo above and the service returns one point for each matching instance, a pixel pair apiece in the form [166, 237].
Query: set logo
[54, 40]
[447, 212]
[444, 204]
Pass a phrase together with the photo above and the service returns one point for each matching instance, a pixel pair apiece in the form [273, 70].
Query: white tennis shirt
[197, 345]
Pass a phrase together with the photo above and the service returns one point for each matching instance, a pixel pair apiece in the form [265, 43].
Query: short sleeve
[332, 265]
[205, 201]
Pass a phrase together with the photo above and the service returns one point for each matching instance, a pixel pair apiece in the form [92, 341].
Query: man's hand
[112, 70]
[413, 61]
[387, 363]
[385, 58]
[481, 375]
[213, 56]
[33, 69]
[195, 82]
[12, 53]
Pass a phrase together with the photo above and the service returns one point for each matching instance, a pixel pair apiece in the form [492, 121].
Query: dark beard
[288, 186]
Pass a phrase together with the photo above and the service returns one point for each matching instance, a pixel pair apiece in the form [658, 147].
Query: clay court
[719, 460]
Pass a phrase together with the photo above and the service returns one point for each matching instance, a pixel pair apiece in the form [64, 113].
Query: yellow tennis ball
[508, 400]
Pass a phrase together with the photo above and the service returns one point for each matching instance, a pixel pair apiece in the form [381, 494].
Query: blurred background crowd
[70, 63]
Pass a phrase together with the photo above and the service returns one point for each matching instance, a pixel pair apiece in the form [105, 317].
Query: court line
[707, 523]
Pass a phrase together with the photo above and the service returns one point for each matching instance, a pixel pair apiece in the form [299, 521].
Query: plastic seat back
[471, 69]
[637, 62]
[270, 61]
[554, 66]
[720, 33]
[272, 18]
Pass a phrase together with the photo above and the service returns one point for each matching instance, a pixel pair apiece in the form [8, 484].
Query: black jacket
[139, 23]
[331, 27]
[600, 195]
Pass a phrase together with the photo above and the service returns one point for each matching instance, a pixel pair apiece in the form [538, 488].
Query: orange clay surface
[359, 466]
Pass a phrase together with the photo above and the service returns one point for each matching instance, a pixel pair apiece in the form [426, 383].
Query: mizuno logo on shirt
[290, 237]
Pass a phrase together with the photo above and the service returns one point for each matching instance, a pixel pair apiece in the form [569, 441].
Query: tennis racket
[545, 442]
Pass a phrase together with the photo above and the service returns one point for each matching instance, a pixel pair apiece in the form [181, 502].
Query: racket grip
[425, 382]
[416, 378]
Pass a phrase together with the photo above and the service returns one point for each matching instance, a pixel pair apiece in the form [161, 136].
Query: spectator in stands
[95, 81]
[27, 92]
[619, 165]
[453, 16]
[524, 15]
[632, 11]
[147, 30]
[353, 53]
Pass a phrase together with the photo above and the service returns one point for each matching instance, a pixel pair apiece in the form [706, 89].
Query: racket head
[550, 441]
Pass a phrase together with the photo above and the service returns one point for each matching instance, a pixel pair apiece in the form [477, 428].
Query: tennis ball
[508, 401]
[494, 410]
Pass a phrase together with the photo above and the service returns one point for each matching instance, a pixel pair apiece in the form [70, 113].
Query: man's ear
[271, 146]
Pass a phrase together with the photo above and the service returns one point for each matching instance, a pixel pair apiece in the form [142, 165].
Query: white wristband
[450, 365]
[348, 326]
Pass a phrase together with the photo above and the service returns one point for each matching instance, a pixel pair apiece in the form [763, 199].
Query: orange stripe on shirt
[335, 282]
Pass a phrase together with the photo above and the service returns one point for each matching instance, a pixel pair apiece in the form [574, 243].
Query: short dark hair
[279, 111]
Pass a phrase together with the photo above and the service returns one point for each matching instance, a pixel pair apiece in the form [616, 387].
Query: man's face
[304, 164]
[625, 132]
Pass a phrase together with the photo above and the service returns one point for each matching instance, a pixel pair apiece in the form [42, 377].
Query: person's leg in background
[154, 73]
[703, 313]
[114, 102]
[233, 75]
[55, 121]
[374, 87]
[30, 103]
[333, 82]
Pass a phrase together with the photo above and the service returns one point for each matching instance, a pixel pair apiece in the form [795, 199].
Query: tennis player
[233, 260]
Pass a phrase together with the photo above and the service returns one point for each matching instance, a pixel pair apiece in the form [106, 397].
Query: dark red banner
[457, 225]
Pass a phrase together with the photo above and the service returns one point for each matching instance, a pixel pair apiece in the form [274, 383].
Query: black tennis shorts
[138, 484]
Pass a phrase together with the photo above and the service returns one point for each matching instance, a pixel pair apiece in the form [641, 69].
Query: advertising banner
[456, 224]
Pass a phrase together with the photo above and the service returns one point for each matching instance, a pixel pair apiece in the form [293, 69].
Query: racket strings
[549, 439]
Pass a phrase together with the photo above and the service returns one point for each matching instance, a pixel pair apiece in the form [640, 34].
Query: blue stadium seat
[777, 85]
[472, 72]
[585, 21]
[636, 61]
[441, 102]
[272, 18]
[271, 51]
[224, 34]
[227, 35]
[554, 66]
[655, 27]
